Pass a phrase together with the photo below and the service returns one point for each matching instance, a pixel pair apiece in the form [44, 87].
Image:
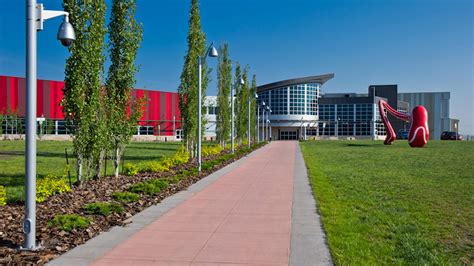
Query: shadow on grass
[39, 154]
[139, 147]
[359, 145]
[12, 180]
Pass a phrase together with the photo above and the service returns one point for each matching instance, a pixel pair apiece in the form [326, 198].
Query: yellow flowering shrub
[50, 185]
[3, 196]
[154, 166]
[211, 150]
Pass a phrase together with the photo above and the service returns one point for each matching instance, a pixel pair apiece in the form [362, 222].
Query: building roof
[289, 82]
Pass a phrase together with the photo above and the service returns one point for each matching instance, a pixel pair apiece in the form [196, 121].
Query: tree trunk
[117, 160]
[79, 169]
[98, 164]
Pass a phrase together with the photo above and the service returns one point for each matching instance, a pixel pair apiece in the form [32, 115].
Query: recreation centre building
[300, 109]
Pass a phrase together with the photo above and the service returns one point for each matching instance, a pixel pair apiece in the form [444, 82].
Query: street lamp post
[258, 121]
[263, 121]
[232, 133]
[248, 132]
[35, 17]
[211, 52]
[374, 109]
[269, 125]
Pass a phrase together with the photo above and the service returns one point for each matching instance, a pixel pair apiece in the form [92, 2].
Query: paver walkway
[243, 217]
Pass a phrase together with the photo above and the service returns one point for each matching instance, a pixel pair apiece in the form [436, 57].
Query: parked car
[402, 134]
[450, 135]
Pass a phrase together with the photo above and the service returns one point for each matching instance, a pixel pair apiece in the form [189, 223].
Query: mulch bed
[54, 241]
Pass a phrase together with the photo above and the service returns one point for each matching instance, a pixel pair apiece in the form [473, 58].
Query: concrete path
[242, 214]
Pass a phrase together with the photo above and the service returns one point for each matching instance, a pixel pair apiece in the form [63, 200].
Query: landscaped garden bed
[69, 219]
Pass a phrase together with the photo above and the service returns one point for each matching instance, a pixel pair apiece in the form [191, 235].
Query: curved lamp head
[241, 81]
[263, 103]
[66, 33]
[256, 96]
[213, 51]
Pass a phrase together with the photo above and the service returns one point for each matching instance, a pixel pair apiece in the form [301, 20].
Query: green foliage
[125, 197]
[69, 222]
[196, 42]
[153, 166]
[394, 205]
[102, 208]
[253, 109]
[2, 118]
[242, 107]
[224, 80]
[130, 169]
[83, 94]
[50, 185]
[125, 36]
[3, 196]
[149, 187]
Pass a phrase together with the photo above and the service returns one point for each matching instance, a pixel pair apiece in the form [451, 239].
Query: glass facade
[279, 101]
[312, 94]
[301, 99]
[347, 120]
[297, 100]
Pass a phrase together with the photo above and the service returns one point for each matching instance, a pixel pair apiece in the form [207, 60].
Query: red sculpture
[418, 134]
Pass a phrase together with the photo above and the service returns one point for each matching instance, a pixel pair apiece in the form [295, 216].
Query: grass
[102, 208]
[395, 204]
[69, 222]
[51, 160]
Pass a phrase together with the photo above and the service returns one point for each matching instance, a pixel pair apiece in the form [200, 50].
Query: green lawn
[395, 204]
[51, 160]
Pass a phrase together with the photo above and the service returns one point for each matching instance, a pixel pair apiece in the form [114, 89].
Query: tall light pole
[269, 125]
[266, 122]
[374, 109]
[248, 132]
[263, 121]
[211, 52]
[241, 82]
[258, 119]
[35, 17]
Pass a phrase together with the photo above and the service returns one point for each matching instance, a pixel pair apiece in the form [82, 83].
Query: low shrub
[211, 150]
[125, 197]
[130, 169]
[69, 222]
[180, 157]
[159, 183]
[50, 185]
[149, 187]
[102, 208]
[153, 166]
[3, 196]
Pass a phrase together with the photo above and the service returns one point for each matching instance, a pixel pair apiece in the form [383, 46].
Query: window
[297, 100]
[279, 101]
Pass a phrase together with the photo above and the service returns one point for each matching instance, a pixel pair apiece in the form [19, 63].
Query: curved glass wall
[300, 99]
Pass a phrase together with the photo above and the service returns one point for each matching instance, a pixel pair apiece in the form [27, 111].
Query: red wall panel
[159, 106]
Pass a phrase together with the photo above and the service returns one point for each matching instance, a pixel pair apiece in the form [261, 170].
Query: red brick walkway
[244, 218]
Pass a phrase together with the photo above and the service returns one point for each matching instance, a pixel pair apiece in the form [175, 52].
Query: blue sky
[421, 45]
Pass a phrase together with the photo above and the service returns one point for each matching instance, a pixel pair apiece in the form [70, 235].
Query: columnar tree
[242, 110]
[236, 98]
[83, 75]
[253, 108]
[189, 79]
[123, 112]
[224, 80]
